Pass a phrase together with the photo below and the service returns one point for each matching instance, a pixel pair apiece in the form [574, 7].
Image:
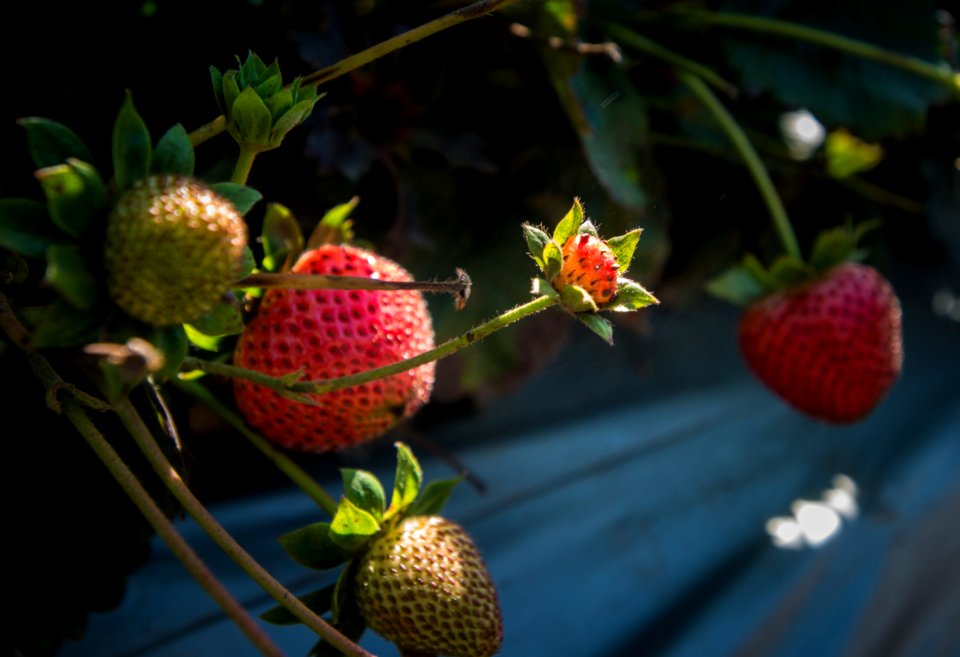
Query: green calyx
[364, 512]
[547, 252]
[258, 108]
[751, 280]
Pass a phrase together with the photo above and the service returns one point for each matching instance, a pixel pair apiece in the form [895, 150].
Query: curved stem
[283, 384]
[279, 459]
[171, 479]
[940, 73]
[241, 170]
[364, 57]
[750, 158]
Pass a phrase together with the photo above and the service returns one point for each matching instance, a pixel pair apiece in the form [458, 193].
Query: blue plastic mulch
[630, 518]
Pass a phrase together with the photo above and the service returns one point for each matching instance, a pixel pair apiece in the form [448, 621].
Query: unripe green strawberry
[424, 586]
[589, 263]
[173, 248]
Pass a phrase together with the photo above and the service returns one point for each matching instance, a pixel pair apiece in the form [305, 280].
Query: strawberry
[173, 248]
[423, 585]
[831, 346]
[329, 334]
[589, 263]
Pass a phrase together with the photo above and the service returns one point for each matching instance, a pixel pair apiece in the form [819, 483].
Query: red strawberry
[333, 333]
[831, 347]
[590, 263]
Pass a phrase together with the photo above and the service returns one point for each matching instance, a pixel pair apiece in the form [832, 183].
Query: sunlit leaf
[352, 526]
[407, 481]
[364, 489]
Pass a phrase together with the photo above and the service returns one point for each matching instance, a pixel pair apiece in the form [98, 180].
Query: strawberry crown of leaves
[361, 515]
[751, 280]
[547, 251]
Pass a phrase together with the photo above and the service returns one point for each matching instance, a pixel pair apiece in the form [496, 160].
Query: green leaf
[364, 490]
[174, 153]
[552, 260]
[281, 237]
[542, 287]
[26, 228]
[434, 497]
[575, 299]
[52, 143]
[407, 481]
[848, 155]
[568, 226]
[536, 240]
[75, 194]
[738, 285]
[242, 197]
[631, 296]
[268, 86]
[838, 245]
[223, 318]
[216, 79]
[202, 340]
[319, 602]
[61, 325]
[279, 103]
[231, 91]
[291, 119]
[335, 227]
[352, 526]
[346, 614]
[251, 70]
[788, 270]
[312, 546]
[599, 325]
[68, 273]
[131, 146]
[250, 121]
[587, 228]
[171, 341]
[623, 247]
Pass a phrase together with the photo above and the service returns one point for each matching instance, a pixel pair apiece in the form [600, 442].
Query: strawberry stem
[459, 287]
[171, 479]
[449, 347]
[748, 154]
[285, 464]
[74, 411]
[940, 73]
[241, 170]
[364, 57]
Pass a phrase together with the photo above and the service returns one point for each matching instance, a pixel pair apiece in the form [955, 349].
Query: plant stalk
[750, 158]
[282, 384]
[241, 170]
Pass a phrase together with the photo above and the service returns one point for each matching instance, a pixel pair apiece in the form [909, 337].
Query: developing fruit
[173, 248]
[330, 334]
[831, 348]
[589, 263]
[424, 586]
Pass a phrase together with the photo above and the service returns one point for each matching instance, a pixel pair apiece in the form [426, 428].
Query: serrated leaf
[75, 194]
[51, 143]
[599, 325]
[131, 146]
[352, 526]
[364, 490]
[242, 197]
[281, 237]
[738, 285]
[631, 296]
[26, 228]
[250, 120]
[174, 153]
[552, 260]
[623, 247]
[536, 241]
[434, 497]
[68, 273]
[319, 602]
[406, 482]
[788, 270]
[568, 226]
[312, 546]
[223, 318]
[575, 299]
[60, 325]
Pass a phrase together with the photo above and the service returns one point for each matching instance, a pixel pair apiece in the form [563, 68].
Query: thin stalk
[750, 158]
[628, 37]
[241, 170]
[283, 384]
[77, 415]
[364, 57]
[940, 73]
[171, 479]
[285, 464]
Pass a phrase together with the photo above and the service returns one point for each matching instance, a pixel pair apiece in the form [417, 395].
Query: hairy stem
[364, 57]
[241, 170]
[283, 384]
[750, 158]
[940, 73]
[279, 459]
[171, 479]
